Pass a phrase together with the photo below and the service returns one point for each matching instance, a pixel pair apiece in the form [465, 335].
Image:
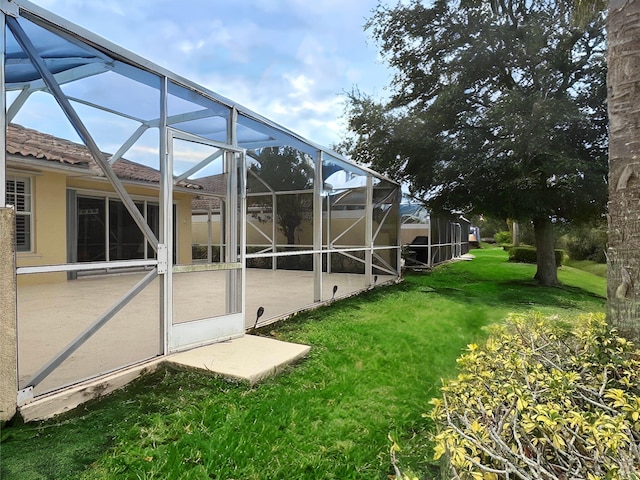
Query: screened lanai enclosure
[428, 238]
[153, 215]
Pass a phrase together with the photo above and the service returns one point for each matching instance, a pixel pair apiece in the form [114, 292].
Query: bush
[503, 238]
[543, 398]
[588, 244]
[530, 255]
[199, 252]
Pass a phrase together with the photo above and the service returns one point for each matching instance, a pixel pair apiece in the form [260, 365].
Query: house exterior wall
[304, 232]
[49, 190]
[181, 200]
[183, 225]
[49, 228]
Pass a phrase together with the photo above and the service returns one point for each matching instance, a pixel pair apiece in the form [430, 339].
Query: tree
[284, 169]
[623, 272]
[497, 115]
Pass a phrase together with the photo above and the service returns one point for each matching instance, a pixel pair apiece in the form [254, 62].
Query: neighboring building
[429, 239]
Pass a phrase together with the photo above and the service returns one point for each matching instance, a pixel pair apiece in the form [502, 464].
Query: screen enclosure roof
[99, 76]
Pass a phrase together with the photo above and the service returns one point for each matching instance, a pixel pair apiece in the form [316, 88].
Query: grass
[376, 361]
[599, 269]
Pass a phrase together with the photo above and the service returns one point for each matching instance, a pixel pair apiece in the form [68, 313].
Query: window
[107, 232]
[19, 195]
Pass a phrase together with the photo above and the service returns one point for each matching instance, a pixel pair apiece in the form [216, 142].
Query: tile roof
[216, 184]
[29, 143]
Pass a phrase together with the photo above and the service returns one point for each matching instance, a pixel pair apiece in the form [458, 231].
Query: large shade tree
[284, 169]
[495, 114]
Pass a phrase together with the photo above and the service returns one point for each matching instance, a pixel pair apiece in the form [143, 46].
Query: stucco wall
[50, 222]
[49, 228]
[8, 345]
[304, 233]
[183, 225]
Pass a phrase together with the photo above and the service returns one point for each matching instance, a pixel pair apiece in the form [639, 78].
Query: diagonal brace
[53, 86]
[45, 371]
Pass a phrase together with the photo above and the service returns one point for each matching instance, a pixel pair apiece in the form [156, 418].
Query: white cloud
[300, 84]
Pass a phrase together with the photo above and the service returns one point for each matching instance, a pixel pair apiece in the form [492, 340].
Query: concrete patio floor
[52, 315]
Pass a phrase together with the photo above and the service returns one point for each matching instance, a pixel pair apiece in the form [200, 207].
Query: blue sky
[289, 60]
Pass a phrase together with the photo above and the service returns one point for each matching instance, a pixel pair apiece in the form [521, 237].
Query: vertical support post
[231, 237]
[209, 233]
[329, 243]
[106, 237]
[223, 230]
[368, 232]
[235, 286]
[8, 320]
[318, 183]
[452, 234]
[3, 108]
[8, 312]
[166, 223]
[396, 206]
[243, 231]
[429, 242]
[274, 229]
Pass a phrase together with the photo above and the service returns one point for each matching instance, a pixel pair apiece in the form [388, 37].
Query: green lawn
[599, 269]
[376, 361]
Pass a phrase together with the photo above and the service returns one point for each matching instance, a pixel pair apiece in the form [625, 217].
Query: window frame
[13, 180]
[146, 201]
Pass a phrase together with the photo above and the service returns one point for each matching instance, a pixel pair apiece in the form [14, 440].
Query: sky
[291, 61]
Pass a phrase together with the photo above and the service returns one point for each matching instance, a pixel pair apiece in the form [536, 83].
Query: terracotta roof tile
[27, 143]
[212, 184]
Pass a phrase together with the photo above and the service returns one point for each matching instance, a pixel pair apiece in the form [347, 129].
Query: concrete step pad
[248, 358]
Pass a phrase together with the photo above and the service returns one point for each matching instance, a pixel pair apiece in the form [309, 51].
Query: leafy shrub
[543, 398]
[199, 252]
[530, 255]
[588, 244]
[503, 238]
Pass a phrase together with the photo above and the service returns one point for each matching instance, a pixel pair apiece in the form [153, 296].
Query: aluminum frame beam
[28, 47]
[317, 228]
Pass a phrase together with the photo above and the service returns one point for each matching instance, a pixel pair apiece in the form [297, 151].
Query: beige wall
[411, 231]
[49, 193]
[183, 224]
[49, 227]
[304, 233]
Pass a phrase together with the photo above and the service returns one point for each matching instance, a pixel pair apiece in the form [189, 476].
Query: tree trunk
[623, 80]
[547, 274]
[290, 233]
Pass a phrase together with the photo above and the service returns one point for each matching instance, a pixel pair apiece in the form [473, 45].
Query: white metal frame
[110, 57]
[216, 328]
